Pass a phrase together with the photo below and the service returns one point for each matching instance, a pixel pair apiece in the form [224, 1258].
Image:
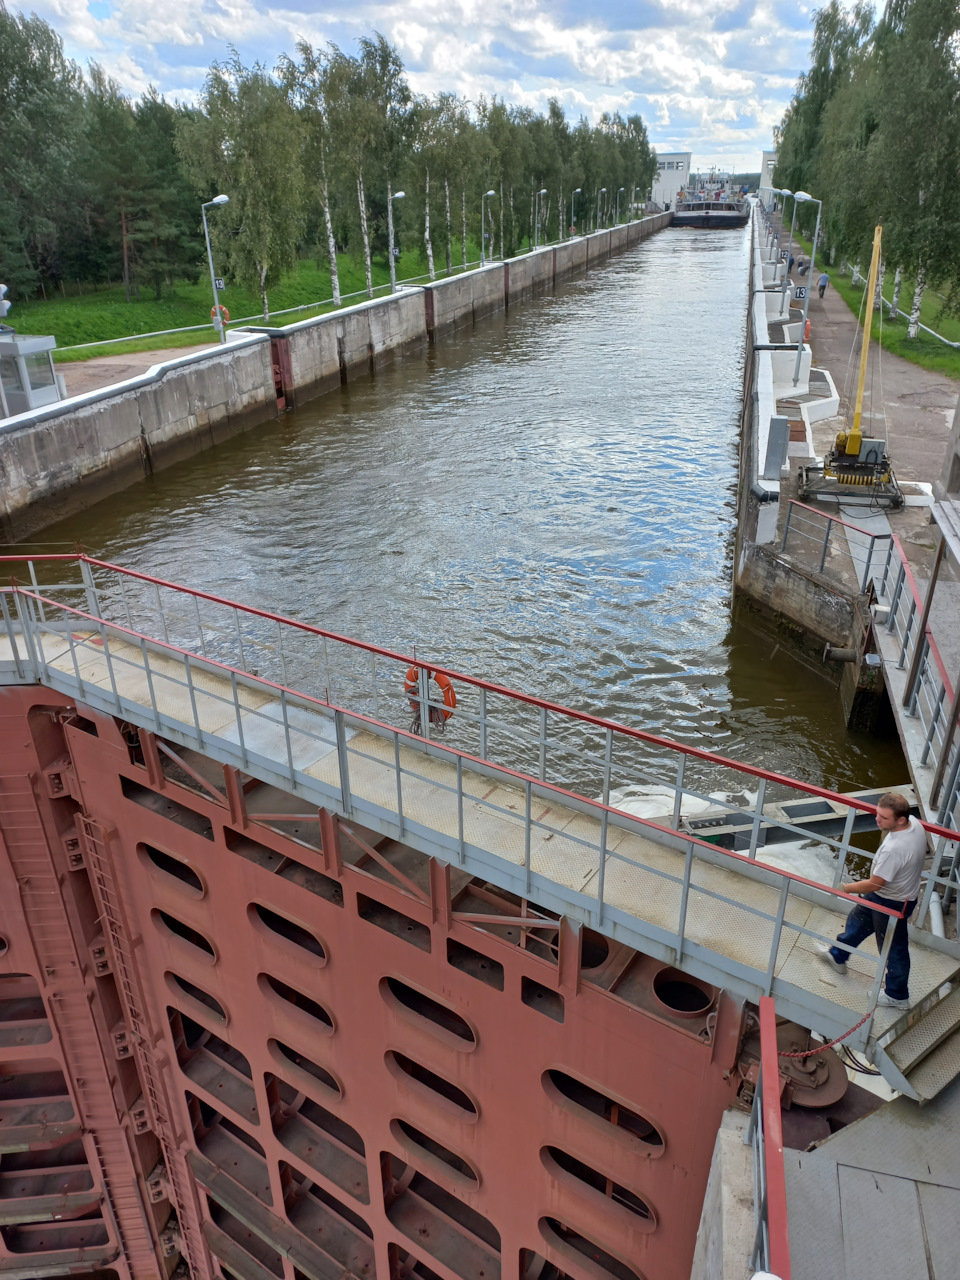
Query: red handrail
[640, 735]
[775, 1179]
[456, 751]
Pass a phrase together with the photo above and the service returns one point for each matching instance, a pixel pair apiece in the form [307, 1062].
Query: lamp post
[601, 192]
[217, 321]
[536, 217]
[806, 301]
[574, 192]
[483, 226]
[618, 204]
[798, 198]
[391, 196]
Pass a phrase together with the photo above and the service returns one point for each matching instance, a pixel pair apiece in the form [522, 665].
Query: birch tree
[245, 142]
[309, 84]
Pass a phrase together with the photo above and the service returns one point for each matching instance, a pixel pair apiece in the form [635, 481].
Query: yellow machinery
[855, 466]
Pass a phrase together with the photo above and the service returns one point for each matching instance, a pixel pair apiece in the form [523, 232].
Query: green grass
[105, 315]
[923, 350]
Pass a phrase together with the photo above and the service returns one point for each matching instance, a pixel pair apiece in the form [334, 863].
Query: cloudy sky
[708, 76]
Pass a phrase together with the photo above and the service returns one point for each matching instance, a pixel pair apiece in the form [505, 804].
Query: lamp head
[603, 191]
[398, 195]
[802, 196]
[542, 191]
[490, 193]
[220, 200]
[576, 191]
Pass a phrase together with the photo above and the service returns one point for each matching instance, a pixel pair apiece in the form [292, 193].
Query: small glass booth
[28, 379]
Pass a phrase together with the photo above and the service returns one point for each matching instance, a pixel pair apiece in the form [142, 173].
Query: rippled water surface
[546, 500]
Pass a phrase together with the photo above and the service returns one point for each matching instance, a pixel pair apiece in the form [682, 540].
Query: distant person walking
[822, 283]
[894, 882]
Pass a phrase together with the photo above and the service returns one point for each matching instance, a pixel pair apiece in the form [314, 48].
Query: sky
[708, 76]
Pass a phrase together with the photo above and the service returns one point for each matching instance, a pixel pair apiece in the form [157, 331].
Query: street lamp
[396, 195]
[806, 301]
[536, 219]
[217, 321]
[483, 226]
[601, 192]
[574, 192]
[798, 198]
[618, 205]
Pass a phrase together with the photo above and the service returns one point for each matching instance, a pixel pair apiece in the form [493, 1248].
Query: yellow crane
[855, 464]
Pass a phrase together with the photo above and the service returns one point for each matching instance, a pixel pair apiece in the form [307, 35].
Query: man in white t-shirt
[894, 882]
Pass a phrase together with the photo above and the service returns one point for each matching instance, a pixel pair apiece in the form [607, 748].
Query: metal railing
[906, 642]
[771, 1245]
[312, 711]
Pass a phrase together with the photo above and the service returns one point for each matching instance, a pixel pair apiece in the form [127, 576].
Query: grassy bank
[104, 315]
[923, 350]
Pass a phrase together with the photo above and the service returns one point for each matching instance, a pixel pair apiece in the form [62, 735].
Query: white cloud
[712, 76]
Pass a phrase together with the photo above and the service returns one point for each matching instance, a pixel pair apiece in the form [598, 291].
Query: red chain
[809, 1053]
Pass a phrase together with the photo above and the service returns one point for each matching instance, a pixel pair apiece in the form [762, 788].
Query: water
[546, 500]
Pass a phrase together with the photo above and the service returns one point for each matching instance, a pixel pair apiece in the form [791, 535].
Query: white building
[768, 162]
[673, 170]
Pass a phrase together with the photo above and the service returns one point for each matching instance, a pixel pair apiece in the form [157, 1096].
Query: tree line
[313, 155]
[874, 131]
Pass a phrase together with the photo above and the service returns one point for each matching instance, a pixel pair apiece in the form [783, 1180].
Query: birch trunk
[895, 300]
[262, 270]
[365, 233]
[878, 291]
[331, 242]
[913, 328]
[446, 188]
[463, 227]
[856, 278]
[426, 229]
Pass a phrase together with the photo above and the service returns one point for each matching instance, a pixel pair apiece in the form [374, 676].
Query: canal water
[546, 500]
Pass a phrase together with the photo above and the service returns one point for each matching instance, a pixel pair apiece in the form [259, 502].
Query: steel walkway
[199, 671]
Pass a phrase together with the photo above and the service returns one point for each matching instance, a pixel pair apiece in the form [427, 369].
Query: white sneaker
[823, 950]
[888, 1002]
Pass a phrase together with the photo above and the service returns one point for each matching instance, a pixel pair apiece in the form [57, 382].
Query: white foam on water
[807, 858]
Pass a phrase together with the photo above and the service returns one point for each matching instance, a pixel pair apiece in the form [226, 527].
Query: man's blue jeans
[862, 922]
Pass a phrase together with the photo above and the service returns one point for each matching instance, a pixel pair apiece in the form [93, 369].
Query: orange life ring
[806, 332]
[412, 685]
[224, 313]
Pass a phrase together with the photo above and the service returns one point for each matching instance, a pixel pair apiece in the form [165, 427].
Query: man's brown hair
[897, 804]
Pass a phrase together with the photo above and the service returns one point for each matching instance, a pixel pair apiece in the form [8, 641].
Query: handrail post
[776, 1185]
[826, 539]
[786, 527]
[865, 581]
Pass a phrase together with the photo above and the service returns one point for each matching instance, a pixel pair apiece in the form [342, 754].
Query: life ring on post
[224, 313]
[411, 687]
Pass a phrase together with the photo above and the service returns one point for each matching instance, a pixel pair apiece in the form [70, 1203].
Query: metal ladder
[180, 1181]
[71, 1014]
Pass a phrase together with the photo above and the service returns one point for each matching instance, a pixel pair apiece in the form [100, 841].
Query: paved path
[915, 405]
[90, 375]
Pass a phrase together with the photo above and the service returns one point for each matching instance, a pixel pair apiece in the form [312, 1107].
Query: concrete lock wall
[64, 458]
